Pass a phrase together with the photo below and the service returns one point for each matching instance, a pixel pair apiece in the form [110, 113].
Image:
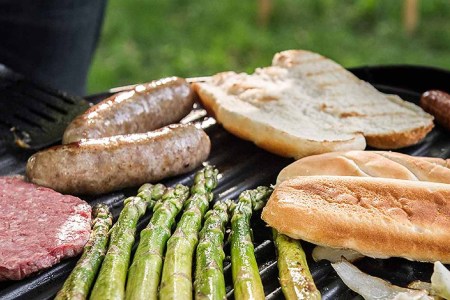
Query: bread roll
[377, 217]
[306, 104]
[370, 164]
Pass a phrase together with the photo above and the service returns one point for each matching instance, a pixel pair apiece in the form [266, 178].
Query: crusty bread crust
[396, 140]
[400, 139]
[370, 164]
[306, 104]
[377, 217]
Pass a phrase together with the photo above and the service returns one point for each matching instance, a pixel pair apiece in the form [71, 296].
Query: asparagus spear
[209, 281]
[110, 283]
[145, 271]
[176, 280]
[79, 282]
[295, 279]
[246, 280]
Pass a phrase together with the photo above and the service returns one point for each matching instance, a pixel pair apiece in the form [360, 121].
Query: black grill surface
[244, 166]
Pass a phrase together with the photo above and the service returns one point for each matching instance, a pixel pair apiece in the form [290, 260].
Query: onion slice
[421, 285]
[334, 254]
[440, 280]
[374, 288]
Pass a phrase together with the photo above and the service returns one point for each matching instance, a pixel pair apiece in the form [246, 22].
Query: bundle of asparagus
[145, 271]
[110, 283]
[246, 280]
[176, 280]
[79, 282]
[209, 280]
[176, 283]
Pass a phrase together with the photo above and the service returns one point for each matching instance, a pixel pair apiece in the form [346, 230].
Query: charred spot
[351, 114]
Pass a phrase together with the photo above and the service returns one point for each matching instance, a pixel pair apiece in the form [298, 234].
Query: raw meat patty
[38, 227]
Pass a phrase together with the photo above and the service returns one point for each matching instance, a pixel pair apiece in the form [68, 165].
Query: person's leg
[51, 41]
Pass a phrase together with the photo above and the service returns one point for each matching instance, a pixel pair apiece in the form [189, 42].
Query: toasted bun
[370, 164]
[377, 217]
[306, 104]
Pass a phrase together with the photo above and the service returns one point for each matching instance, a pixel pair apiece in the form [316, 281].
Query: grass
[145, 40]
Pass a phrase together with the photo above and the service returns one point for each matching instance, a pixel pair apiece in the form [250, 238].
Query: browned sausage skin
[145, 108]
[437, 103]
[97, 166]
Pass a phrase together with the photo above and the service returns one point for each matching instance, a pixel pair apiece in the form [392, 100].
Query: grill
[244, 166]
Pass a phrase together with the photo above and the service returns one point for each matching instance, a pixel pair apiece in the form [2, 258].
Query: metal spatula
[31, 115]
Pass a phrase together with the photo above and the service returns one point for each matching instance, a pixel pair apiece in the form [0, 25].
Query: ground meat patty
[38, 227]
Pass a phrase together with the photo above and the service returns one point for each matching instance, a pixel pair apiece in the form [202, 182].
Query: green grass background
[145, 40]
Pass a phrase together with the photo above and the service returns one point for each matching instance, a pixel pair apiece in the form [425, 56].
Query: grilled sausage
[145, 108]
[97, 166]
[437, 103]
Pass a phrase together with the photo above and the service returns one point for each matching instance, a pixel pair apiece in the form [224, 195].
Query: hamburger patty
[38, 227]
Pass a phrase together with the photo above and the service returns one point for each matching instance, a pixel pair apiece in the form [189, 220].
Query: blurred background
[145, 40]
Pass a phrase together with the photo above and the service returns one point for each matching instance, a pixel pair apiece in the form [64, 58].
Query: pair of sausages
[113, 145]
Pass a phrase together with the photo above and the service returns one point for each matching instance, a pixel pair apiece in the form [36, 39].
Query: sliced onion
[440, 280]
[420, 285]
[374, 288]
[335, 255]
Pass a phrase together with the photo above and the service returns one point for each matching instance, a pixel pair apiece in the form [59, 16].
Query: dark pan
[245, 166]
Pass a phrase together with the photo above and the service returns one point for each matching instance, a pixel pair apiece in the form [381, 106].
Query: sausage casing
[97, 166]
[145, 108]
[437, 103]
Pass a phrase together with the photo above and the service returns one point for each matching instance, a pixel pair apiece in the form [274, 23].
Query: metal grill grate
[242, 166]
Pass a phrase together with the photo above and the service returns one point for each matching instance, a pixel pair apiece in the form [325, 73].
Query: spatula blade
[32, 115]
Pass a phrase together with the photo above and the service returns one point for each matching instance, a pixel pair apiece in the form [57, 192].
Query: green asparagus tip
[150, 191]
[259, 196]
[232, 206]
[136, 201]
[229, 203]
[100, 210]
[100, 213]
[145, 187]
[205, 180]
[219, 205]
[158, 190]
[179, 192]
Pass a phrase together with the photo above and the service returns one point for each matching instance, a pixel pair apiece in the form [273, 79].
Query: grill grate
[242, 166]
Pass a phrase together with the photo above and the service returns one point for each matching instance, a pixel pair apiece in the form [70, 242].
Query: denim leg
[51, 41]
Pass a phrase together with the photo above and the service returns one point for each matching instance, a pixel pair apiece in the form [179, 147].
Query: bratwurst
[437, 103]
[145, 108]
[97, 166]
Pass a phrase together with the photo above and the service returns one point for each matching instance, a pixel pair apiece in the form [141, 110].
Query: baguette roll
[370, 164]
[378, 217]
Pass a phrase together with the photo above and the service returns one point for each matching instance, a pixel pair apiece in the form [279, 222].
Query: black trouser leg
[51, 41]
